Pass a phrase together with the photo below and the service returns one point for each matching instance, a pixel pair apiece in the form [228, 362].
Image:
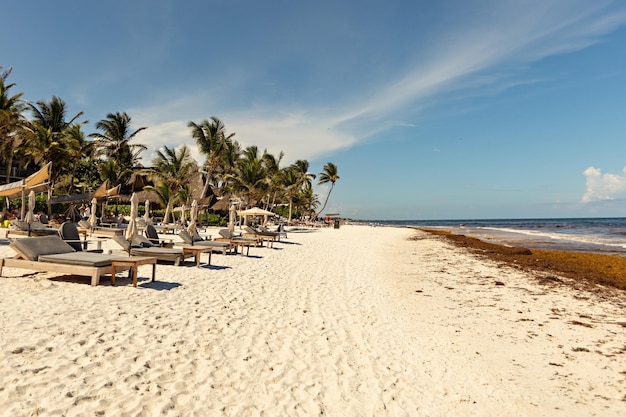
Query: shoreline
[358, 321]
[584, 269]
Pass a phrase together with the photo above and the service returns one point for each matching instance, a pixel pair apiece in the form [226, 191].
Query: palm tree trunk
[205, 188]
[49, 200]
[9, 167]
[168, 209]
[326, 201]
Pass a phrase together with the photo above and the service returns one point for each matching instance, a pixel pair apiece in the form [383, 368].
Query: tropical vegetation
[33, 134]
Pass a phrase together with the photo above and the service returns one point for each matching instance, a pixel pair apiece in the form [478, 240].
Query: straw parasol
[131, 231]
[146, 215]
[194, 216]
[93, 220]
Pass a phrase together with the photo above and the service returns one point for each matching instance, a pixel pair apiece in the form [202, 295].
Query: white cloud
[299, 135]
[488, 51]
[602, 187]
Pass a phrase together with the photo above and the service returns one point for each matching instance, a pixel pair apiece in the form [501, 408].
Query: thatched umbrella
[222, 204]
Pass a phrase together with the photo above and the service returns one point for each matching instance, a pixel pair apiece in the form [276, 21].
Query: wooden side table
[133, 262]
[197, 251]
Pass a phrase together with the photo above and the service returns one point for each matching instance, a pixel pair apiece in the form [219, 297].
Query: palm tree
[250, 176]
[49, 140]
[13, 124]
[114, 143]
[213, 142]
[110, 171]
[172, 170]
[164, 193]
[273, 175]
[44, 146]
[306, 201]
[290, 184]
[305, 178]
[328, 175]
[78, 148]
[296, 177]
[51, 115]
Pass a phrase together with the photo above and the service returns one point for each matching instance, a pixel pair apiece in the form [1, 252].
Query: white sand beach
[359, 321]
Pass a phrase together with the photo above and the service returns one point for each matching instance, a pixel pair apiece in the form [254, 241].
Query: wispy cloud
[489, 51]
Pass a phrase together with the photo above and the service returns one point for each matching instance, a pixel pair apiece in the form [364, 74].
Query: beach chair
[69, 233]
[36, 228]
[153, 237]
[260, 236]
[266, 232]
[140, 246]
[100, 231]
[236, 241]
[52, 254]
[280, 230]
[196, 240]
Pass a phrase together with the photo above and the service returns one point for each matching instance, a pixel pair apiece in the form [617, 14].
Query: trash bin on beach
[336, 224]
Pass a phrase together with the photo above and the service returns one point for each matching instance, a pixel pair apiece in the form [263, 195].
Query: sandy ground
[360, 321]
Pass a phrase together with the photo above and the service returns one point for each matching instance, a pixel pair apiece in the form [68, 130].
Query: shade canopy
[255, 211]
[36, 182]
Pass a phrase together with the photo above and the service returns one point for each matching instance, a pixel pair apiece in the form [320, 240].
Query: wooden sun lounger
[162, 254]
[99, 231]
[188, 240]
[52, 254]
[95, 272]
[20, 228]
[261, 236]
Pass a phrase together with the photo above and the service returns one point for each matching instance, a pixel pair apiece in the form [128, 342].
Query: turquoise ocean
[601, 235]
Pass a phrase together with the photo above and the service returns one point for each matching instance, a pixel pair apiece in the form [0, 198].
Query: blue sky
[431, 110]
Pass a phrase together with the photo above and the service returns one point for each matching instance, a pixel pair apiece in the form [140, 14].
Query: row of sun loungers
[68, 253]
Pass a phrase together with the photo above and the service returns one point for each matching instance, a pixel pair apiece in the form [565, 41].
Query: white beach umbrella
[146, 215]
[194, 218]
[93, 220]
[131, 231]
[183, 215]
[254, 211]
[30, 215]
